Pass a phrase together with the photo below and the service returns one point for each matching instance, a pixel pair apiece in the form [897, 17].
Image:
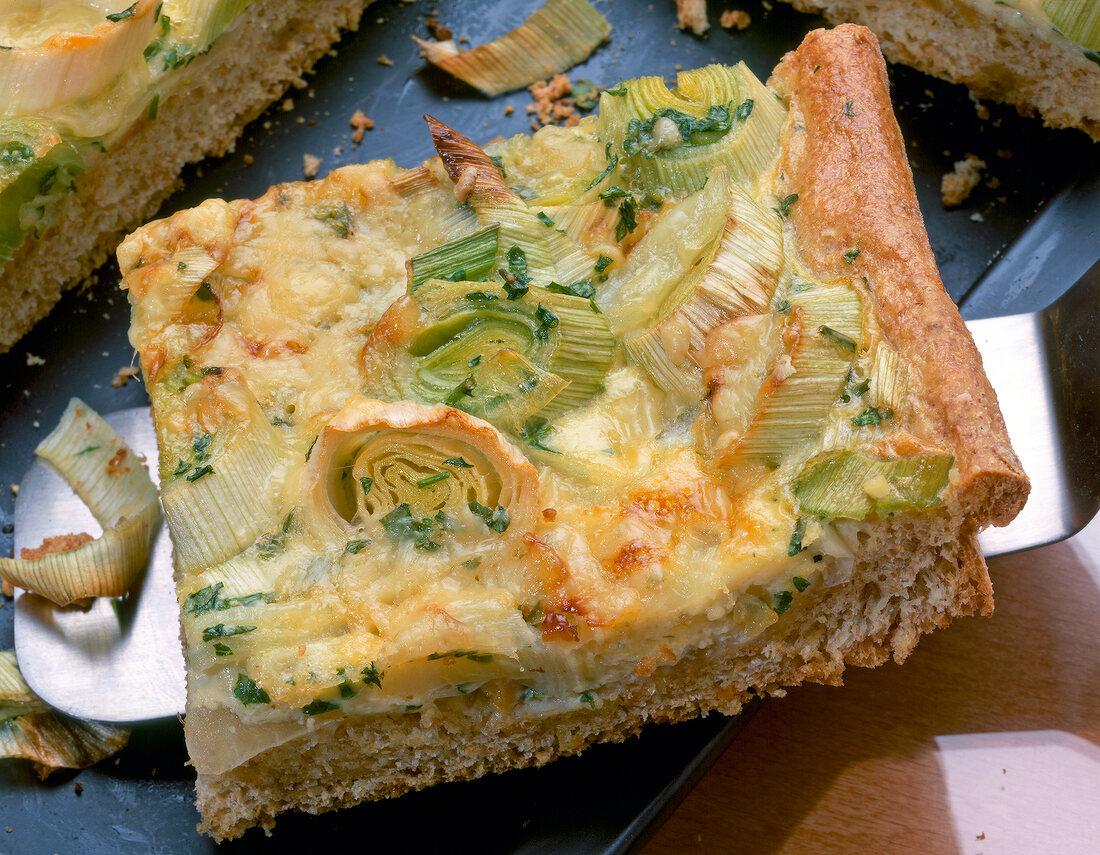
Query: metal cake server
[124, 663]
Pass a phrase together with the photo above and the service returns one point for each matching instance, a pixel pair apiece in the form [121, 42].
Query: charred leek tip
[853, 485]
[115, 485]
[465, 329]
[556, 37]
[671, 138]
[31, 730]
[1077, 20]
[70, 66]
[465, 259]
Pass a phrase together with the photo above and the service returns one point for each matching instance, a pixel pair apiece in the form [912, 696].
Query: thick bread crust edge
[844, 156]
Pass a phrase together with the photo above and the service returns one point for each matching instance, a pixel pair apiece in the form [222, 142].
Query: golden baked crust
[630, 634]
[844, 155]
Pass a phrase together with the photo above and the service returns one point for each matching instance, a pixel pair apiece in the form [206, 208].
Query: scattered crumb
[735, 18]
[8, 590]
[35, 360]
[15, 489]
[558, 101]
[384, 60]
[977, 217]
[299, 119]
[78, 787]
[1004, 153]
[692, 15]
[311, 165]
[362, 123]
[509, 110]
[248, 160]
[123, 375]
[439, 32]
[956, 185]
[52, 545]
[993, 183]
[980, 836]
[288, 105]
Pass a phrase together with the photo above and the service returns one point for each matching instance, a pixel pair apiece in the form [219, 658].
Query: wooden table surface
[986, 741]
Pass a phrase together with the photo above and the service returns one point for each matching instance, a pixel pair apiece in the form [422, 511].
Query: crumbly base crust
[276, 42]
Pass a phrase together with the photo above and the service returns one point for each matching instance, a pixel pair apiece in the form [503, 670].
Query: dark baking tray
[1040, 224]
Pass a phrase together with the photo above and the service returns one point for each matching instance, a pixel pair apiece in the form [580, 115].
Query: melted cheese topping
[630, 542]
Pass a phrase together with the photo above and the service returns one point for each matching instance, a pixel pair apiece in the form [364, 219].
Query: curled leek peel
[550, 255]
[37, 169]
[31, 730]
[739, 280]
[71, 66]
[394, 470]
[669, 139]
[823, 339]
[219, 481]
[1077, 20]
[854, 485]
[436, 354]
[555, 38]
[114, 484]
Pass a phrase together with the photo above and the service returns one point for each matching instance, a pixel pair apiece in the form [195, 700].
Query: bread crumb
[980, 836]
[559, 101]
[248, 160]
[956, 185]
[977, 217]
[439, 32]
[15, 489]
[123, 375]
[735, 18]
[509, 110]
[1004, 153]
[311, 165]
[8, 590]
[53, 545]
[362, 123]
[692, 15]
[287, 105]
[35, 360]
[78, 787]
[993, 183]
[384, 60]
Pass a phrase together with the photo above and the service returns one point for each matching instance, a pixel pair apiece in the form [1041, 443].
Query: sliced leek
[469, 258]
[31, 730]
[70, 67]
[1077, 20]
[556, 37]
[219, 485]
[412, 493]
[888, 387]
[797, 396]
[669, 139]
[739, 280]
[114, 484]
[854, 485]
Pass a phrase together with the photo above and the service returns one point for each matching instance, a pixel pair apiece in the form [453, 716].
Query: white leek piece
[70, 66]
[114, 484]
[31, 730]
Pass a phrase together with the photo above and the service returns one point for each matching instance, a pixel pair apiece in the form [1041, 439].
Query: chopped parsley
[1091, 55]
[545, 220]
[837, 337]
[535, 432]
[88, 450]
[499, 161]
[516, 279]
[458, 462]
[400, 525]
[783, 306]
[619, 90]
[585, 95]
[795, 546]
[346, 689]
[872, 416]
[209, 599]
[153, 106]
[781, 601]
[336, 217]
[357, 546]
[199, 471]
[372, 676]
[547, 321]
[365, 484]
[222, 649]
[115, 17]
[220, 630]
[602, 263]
[497, 520]
[800, 584]
[712, 126]
[588, 699]
[432, 479]
[16, 154]
[848, 109]
[851, 255]
[628, 218]
[784, 209]
[584, 288]
[472, 655]
[319, 707]
[611, 194]
[270, 545]
[309, 450]
[463, 390]
[612, 162]
[247, 692]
